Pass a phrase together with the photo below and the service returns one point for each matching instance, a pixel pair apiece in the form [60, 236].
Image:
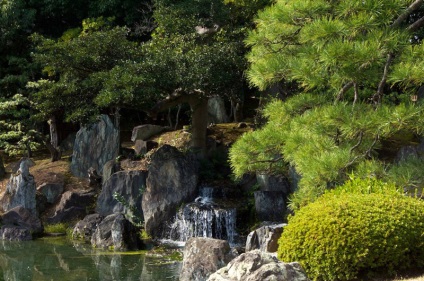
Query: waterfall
[204, 218]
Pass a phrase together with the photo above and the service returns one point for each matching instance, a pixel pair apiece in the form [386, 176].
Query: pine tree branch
[379, 94]
[416, 25]
[412, 8]
[343, 90]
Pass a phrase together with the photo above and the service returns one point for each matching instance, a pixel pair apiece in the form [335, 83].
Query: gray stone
[15, 233]
[270, 205]
[51, 191]
[216, 110]
[19, 216]
[142, 147]
[94, 146]
[73, 206]
[204, 256]
[127, 185]
[109, 169]
[265, 238]
[257, 265]
[294, 178]
[172, 180]
[85, 228]
[145, 132]
[20, 190]
[117, 233]
[273, 183]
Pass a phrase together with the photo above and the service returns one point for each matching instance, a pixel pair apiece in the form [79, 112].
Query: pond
[61, 259]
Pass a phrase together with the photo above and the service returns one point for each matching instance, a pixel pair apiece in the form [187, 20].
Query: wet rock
[145, 132]
[204, 256]
[172, 180]
[19, 216]
[265, 238]
[85, 228]
[73, 206]
[128, 186]
[117, 233]
[257, 265]
[20, 190]
[15, 233]
[270, 205]
[95, 145]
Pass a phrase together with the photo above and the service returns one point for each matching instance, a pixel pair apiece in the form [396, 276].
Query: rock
[15, 233]
[20, 190]
[85, 228]
[257, 265]
[265, 238]
[73, 206]
[51, 191]
[141, 147]
[270, 205]
[145, 132]
[172, 180]
[273, 183]
[19, 216]
[216, 110]
[94, 146]
[294, 178]
[109, 169]
[128, 185]
[115, 232]
[204, 256]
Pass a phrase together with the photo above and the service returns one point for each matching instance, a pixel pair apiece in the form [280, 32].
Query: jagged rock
[145, 132]
[141, 147]
[127, 185]
[19, 216]
[94, 146]
[265, 238]
[15, 233]
[216, 110]
[73, 206]
[270, 205]
[115, 232]
[51, 191]
[85, 228]
[20, 190]
[109, 169]
[257, 265]
[172, 180]
[204, 256]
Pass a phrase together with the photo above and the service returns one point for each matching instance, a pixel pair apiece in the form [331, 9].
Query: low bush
[344, 235]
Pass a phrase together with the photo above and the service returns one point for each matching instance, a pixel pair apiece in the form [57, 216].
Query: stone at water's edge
[172, 180]
[265, 238]
[19, 216]
[257, 265]
[204, 256]
[20, 190]
[95, 145]
[128, 185]
[86, 227]
[15, 233]
[117, 233]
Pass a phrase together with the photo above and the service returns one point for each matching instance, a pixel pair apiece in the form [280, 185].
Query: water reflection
[59, 259]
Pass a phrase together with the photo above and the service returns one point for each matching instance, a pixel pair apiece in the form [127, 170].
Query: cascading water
[204, 218]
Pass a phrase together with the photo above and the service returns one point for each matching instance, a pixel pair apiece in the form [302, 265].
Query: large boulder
[257, 265]
[51, 191]
[216, 110]
[128, 186]
[270, 205]
[19, 216]
[94, 146]
[145, 132]
[204, 256]
[20, 190]
[265, 238]
[109, 169]
[117, 233]
[172, 180]
[86, 227]
[15, 233]
[73, 206]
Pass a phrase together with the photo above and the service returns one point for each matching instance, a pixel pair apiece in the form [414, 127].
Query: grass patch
[56, 228]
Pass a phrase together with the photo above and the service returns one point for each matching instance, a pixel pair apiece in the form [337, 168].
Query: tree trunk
[199, 123]
[117, 123]
[53, 146]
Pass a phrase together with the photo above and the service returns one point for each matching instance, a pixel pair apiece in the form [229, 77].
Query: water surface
[60, 259]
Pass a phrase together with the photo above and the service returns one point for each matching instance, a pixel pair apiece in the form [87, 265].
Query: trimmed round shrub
[342, 235]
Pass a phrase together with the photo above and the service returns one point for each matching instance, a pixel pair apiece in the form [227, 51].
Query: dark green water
[60, 259]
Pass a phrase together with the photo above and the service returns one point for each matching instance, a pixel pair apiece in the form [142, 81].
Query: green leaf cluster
[346, 235]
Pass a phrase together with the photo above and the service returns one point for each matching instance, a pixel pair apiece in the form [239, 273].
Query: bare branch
[412, 8]
[416, 25]
[361, 134]
[379, 94]
[344, 90]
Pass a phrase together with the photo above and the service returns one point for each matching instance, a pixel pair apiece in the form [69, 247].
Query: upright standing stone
[20, 190]
[216, 110]
[95, 145]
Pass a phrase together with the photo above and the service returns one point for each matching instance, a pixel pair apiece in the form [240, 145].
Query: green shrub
[345, 235]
